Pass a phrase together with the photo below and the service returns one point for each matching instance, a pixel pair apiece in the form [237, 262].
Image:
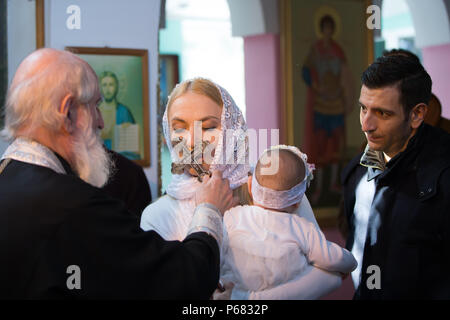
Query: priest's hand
[216, 191]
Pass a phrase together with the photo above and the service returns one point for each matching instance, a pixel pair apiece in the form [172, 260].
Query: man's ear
[418, 114]
[249, 185]
[67, 109]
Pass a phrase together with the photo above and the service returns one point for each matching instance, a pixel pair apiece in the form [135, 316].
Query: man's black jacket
[412, 247]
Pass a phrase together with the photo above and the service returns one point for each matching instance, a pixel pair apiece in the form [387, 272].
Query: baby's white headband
[274, 199]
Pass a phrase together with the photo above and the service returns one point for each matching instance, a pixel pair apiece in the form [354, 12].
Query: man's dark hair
[404, 72]
[327, 19]
[401, 52]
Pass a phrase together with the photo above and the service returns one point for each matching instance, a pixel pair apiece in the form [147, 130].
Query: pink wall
[436, 60]
[262, 81]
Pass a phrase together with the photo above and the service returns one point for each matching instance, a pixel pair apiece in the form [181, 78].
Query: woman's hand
[223, 293]
[216, 191]
[344, 275]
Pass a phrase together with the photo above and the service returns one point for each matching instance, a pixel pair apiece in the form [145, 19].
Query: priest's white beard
[92, 162]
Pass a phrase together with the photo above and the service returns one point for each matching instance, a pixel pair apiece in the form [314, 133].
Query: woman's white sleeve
[326, 254]
[322, 253]
[314, 283]
[157, 216]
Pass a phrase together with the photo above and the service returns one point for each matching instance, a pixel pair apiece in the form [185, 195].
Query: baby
[268, 244]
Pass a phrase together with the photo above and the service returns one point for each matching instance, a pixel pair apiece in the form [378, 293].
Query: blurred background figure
[128, 183]
[434, 115]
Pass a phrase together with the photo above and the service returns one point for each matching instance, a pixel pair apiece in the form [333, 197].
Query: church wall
[432, 25]
[262, 81]
[21, 38]
[436, 61]
[115, 24]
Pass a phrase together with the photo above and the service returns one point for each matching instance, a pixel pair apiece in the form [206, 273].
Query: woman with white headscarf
[202, 107]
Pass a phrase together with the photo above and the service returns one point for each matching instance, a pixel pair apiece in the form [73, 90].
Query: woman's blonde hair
[197, 85]
[243, 194]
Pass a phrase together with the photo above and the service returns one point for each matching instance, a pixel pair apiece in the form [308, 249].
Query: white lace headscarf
[231, 155]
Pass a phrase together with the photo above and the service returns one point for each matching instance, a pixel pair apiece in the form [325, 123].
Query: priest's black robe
[50, 222]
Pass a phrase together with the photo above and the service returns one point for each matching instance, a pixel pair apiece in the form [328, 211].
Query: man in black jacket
[63, 237]
[397, 193]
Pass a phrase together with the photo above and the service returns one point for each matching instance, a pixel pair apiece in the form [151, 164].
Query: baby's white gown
[170, 218]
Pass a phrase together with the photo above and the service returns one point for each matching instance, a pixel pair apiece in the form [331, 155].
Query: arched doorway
[198, 34]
